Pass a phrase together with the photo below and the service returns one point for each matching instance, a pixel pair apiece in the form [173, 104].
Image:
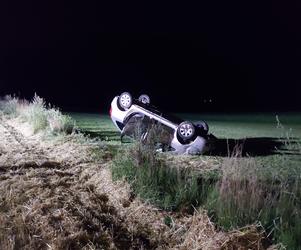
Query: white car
[186, 137]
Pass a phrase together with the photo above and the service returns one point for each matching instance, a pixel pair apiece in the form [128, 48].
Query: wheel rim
[186, 130]
[125, 100]
[144, 100]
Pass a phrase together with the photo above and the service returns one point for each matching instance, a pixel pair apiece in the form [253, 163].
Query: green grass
[97, 125]
[221, 125]
[264, 185]
[262, 127]
[154, 180]
[248, 125]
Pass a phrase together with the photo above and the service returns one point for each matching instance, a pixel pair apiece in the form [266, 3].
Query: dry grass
[250, 237]
[59, 202]
[38, 114]
[248, 192]
[56, 195]
[68, 201]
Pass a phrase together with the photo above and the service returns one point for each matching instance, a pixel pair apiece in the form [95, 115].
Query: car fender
[197, 146]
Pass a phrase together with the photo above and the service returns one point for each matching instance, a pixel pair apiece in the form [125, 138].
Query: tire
[186, 130]
[125, 100]
[144, 99]
[203, 126]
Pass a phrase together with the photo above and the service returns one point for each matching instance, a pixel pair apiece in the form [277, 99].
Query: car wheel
[144, 99]
[186, 130]
[203, 126]
[125, 100]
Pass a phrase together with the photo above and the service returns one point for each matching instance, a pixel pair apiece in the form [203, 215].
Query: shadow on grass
[106, 135]
[258, 146]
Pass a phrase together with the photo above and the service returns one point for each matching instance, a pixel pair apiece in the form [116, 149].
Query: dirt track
[54, 195]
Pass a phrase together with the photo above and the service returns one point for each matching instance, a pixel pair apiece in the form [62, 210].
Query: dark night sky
[245, 56]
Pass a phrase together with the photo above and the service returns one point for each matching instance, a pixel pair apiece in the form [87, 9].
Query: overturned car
[135, 117]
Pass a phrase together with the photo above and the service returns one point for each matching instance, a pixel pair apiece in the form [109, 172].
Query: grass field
[235, 126]
[265, 136]
[261, 133]
[79, 182]
[267, 189]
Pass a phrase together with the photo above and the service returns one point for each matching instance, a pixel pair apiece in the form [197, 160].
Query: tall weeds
[59, 123]
[38, 114]
[9, 105]
[168, 187]
[246, 190]
[250, 192]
